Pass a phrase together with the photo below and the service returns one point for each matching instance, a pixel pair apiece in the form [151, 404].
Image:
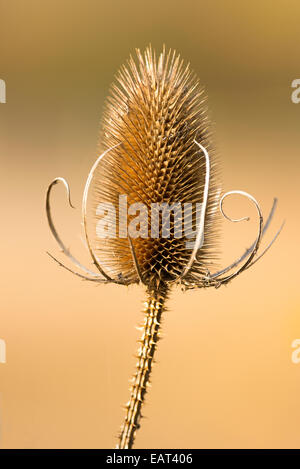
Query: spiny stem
[153, 311]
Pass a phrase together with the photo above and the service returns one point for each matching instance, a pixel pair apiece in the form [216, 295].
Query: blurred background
[224, 377]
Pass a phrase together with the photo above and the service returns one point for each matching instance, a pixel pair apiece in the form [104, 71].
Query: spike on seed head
[155, 111]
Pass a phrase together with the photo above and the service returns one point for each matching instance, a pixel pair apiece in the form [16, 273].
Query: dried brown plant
[156, 149]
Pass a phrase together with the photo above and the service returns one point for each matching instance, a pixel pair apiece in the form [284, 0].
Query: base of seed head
[216, 279]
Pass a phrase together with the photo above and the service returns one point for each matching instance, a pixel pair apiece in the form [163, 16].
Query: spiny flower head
[155, 185]
[154, 114]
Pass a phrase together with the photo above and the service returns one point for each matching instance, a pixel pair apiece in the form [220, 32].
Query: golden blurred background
[224, 377]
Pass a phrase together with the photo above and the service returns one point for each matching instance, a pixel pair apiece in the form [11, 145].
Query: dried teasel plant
[156, 151]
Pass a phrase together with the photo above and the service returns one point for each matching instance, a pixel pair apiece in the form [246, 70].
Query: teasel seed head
[157, 153]
[155, 112]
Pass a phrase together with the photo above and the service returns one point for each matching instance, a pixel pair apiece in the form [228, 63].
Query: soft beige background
[224, 376]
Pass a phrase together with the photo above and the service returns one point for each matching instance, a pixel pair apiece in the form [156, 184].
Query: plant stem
[153, 311]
